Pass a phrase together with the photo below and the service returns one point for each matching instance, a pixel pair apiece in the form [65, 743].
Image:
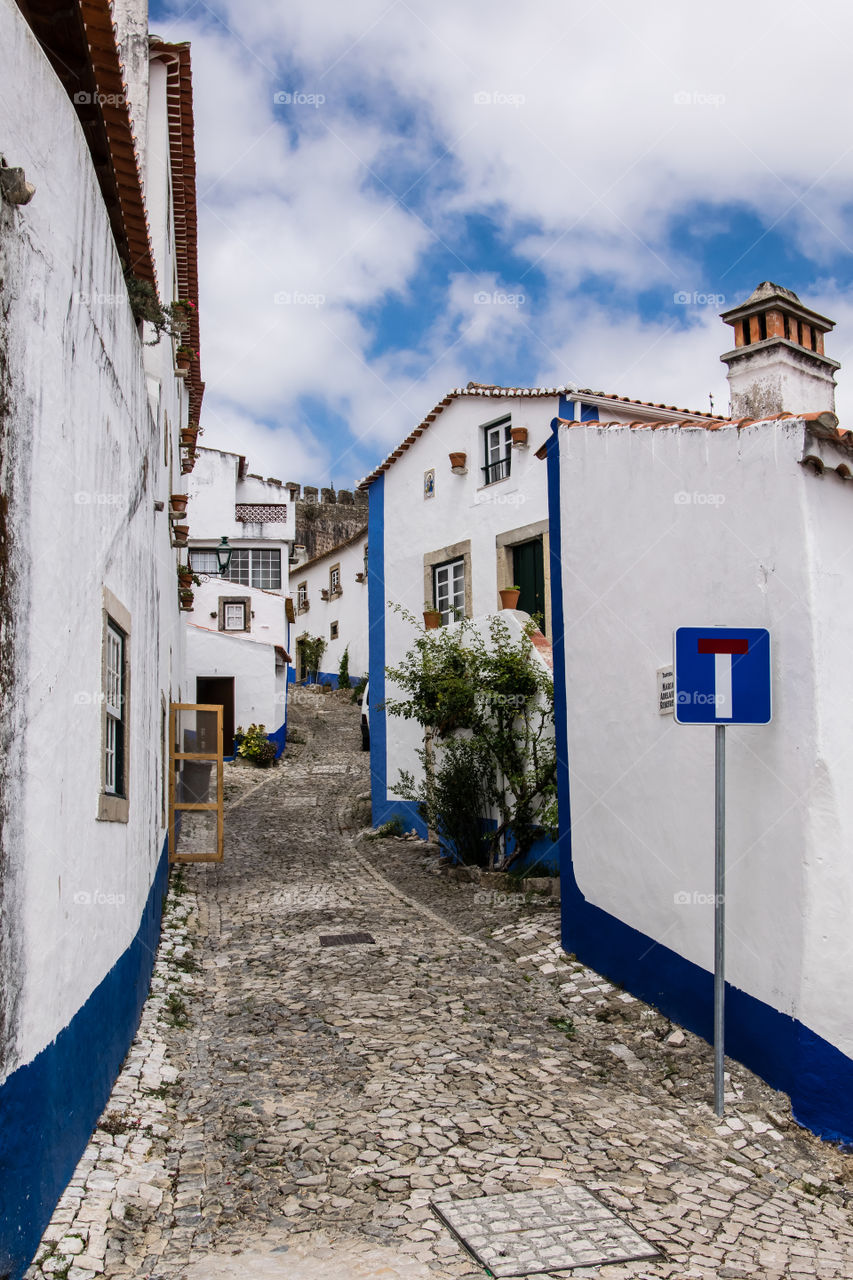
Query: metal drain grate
[531, 1232]
[345, 939]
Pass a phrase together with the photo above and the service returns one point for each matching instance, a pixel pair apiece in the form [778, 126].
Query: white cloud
[602, 124]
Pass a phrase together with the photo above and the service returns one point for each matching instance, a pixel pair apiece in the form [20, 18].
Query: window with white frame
[497, 438]
[114, 708]
[234, 617]
[234, 613]
[448, 584]
[334, 579]
[250, 566]
[302, 595]
[203, 561]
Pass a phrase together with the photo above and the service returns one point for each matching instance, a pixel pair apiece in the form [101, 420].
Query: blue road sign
[722, 675]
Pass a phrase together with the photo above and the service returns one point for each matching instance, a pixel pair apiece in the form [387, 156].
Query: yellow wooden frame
[176, 805]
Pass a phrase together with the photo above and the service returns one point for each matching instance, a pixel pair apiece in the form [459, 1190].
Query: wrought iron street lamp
[223, 554]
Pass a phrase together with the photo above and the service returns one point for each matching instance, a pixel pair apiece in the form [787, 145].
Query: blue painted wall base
[50, 1106]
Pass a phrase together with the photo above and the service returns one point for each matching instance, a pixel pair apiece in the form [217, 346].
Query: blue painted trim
[816, 1075]
[589, 412]
[279, 737]
[331, 678]
[50, 1106]
[376, 637]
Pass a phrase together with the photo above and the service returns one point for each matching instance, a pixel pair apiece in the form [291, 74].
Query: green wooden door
[528, 573]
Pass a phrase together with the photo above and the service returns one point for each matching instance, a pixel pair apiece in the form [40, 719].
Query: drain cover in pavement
[531, 1232]
[344, 939]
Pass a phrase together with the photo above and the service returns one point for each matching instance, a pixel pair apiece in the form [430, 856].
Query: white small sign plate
[666, 691]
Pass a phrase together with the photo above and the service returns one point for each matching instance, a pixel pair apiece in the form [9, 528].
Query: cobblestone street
[289, 1109]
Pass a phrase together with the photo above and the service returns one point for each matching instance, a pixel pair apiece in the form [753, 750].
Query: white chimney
[778, 363]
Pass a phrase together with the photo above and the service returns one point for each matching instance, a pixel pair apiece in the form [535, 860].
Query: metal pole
[719, 913]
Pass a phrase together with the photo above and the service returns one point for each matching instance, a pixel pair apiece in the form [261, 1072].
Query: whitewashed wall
[215, 489]
[349, 609]
[84, 466]
[461, 510]
[85, 457]
[252, 664]
[685, 527]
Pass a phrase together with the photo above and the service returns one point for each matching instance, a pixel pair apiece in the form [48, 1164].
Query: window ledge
[112, 808]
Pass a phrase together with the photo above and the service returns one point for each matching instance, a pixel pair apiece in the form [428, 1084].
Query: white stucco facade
[89, 442]
[341, 617]
[465, 518]
[88, 451]
[682, 526]
[256, 516]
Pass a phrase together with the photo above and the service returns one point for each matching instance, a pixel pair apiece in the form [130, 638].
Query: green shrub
[343, 670]
[256, 746]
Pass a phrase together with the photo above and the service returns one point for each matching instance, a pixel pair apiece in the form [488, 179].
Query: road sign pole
[719, 914]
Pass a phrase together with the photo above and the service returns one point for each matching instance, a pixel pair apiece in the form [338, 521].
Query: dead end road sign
[722, 675]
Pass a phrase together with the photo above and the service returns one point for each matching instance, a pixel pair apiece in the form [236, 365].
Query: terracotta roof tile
[480, 389]
[179, 106]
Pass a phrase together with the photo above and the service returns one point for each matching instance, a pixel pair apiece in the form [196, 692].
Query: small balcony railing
[499, 470]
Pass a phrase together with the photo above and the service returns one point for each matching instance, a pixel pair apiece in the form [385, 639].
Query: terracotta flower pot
[458, 459]
[509, 597]
[189, 435]
[185, 580]
[519, 435]
[432, 619]
[178, 502]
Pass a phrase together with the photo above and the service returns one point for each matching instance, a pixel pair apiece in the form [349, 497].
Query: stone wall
[325, 518]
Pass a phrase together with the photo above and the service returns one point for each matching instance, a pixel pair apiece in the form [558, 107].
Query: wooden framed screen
[196, 814]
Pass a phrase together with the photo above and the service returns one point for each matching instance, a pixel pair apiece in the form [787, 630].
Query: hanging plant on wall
[145, 305]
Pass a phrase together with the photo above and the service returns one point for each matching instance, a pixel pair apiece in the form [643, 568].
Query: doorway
[528, 573]
[218, 691]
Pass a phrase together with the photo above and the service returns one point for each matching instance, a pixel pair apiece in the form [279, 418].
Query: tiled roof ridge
[483, 390]
[821, 418]
[114, 101]
[181, 126]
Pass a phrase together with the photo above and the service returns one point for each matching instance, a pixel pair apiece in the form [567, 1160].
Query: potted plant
[432, 616]
[457, 461]
[181, 532]
[360, 577]
[183, 357]
[186, 597]
[187, 465]
[519, 436]
[324, 593]
[509, 597]
[178, 503]
[189, 435]
[186, 577]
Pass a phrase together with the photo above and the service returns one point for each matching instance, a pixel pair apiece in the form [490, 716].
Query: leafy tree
[486, 705]
[313, 648]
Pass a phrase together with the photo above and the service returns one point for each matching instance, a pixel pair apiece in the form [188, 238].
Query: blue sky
[398, 197]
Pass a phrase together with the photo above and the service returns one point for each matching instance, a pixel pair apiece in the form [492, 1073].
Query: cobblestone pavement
[289, 1110]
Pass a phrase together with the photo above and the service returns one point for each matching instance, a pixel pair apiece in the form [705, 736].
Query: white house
[457, 512]
[238, 623]
[91, 639]
[330, 594]
[741, 523]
